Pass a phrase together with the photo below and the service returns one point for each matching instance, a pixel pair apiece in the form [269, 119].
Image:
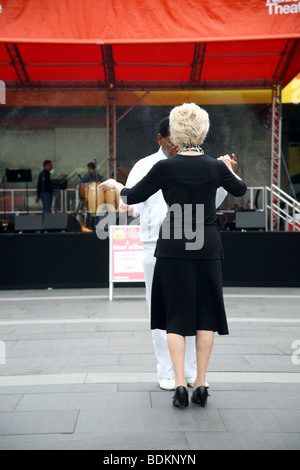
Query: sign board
[125, 255]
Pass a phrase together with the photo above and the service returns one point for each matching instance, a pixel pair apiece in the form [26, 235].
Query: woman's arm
[141, 191]
[231, 163]
[230, 181]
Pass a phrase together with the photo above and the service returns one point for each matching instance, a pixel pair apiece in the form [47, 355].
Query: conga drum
[82, 194]
[95, 198]
[112, 200]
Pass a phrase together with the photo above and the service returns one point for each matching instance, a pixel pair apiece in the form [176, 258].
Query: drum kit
[96, 202]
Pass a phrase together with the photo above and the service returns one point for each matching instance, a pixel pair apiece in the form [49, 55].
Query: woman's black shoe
[200, 396]
[181, 397]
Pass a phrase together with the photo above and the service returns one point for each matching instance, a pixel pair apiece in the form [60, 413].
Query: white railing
[282, 212]
[282, 207]
[251, 189]
[22, 201]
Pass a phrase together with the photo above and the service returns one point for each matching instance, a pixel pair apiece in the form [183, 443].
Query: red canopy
[149, 44]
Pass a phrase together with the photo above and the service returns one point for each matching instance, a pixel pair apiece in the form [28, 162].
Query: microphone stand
[5, 220]
[80, 201]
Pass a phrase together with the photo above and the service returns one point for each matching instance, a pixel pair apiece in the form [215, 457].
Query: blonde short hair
[189, 125]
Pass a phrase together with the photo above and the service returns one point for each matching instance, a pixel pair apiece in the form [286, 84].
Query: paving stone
[167, 419]
[243, 441]
[83, 401]
[38, 422]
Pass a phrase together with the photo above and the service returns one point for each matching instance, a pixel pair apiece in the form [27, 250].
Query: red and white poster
[125, 255]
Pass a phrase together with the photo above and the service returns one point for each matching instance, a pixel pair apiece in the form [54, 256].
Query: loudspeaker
[61, 222]
[18, 176]
[250, 220]
[28, 223]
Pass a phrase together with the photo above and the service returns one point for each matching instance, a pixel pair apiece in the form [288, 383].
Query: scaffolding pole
[275, 152]
[111, 134]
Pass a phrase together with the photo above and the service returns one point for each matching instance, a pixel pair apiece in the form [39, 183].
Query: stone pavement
[80, 373]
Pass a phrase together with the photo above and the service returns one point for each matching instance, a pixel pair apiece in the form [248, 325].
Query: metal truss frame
[143, 86]
[111, 124]
[275, 151]
[18, 64]
[276, 132]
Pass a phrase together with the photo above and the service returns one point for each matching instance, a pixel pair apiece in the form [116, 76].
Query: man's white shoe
[190, 382]
[167, 384]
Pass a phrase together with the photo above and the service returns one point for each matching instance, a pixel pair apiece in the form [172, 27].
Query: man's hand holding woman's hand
[230, 162]
[111, 184]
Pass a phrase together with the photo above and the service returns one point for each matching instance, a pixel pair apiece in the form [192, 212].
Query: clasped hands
[230, 162]
[111, 184]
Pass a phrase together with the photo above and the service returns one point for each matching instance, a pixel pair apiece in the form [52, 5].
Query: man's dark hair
[46, 162]
[163, 128]
[92, 165]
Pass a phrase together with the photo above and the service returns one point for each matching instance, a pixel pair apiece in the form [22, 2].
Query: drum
[82, 194]
[112, 200]
[82, 191]
[95, 198]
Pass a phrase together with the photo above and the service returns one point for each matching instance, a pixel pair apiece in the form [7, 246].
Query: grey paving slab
[146, 360]
[98, 441]
[243, 441]
[167, 419]
[278, 420]
[8, 403]
[60, 388]
[38, 422]
[83, 401]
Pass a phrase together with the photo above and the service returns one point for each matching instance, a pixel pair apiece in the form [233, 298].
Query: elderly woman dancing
[187, 292]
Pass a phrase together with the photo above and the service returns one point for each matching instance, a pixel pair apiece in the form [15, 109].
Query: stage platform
[81, 260]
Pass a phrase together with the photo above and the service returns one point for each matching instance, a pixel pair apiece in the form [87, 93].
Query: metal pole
[275, 150]
[111, 134]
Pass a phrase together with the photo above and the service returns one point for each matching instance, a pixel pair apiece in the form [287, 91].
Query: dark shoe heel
[181, 397]
[200, 396]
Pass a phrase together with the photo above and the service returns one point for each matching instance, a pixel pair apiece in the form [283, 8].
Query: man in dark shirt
[92, 175]
[44, 187]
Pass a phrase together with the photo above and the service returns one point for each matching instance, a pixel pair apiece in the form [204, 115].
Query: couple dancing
[187, 296]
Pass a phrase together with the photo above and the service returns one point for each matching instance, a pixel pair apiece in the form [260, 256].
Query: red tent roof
[153, 44]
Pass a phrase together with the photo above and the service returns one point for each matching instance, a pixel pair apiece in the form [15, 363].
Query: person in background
[45, 187]
[92, 175]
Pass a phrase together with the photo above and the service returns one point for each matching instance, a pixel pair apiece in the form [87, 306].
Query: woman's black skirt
[187, 295]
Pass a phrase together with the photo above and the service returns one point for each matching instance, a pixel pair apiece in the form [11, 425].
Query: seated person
[91, 174]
